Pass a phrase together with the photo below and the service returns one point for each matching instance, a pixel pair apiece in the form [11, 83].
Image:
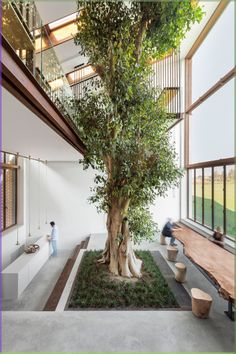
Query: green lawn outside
[218, 205]
[218, 193]
[218, 215]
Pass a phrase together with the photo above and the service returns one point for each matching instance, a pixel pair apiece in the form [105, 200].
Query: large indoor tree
[120, 118]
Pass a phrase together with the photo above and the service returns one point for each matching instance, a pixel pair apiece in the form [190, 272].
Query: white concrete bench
[17, 276]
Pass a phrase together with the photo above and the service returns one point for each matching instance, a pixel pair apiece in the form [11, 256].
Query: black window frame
[212, 165]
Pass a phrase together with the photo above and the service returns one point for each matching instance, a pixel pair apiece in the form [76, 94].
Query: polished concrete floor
[119, 331]
[113, 331]
[38, 291]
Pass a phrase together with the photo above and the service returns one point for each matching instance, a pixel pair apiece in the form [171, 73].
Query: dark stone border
[57, 291]
[181, 295]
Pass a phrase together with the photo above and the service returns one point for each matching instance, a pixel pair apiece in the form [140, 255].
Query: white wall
[58, 192]
[68, 190]
[169, 206]
[165, 207]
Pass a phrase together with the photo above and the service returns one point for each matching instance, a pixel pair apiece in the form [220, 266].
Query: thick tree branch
[139, 38]
[100, 70]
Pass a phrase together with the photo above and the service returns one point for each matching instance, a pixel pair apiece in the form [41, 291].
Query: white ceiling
[25, 133]
[53, 10]
[68, 55]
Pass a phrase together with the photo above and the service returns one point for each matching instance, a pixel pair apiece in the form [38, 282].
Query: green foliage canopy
[120, 119]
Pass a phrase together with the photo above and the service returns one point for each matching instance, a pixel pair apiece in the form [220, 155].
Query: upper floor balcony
[22, 28]
[34, 43]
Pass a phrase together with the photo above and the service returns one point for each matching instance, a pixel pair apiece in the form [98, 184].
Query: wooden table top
[215, 260]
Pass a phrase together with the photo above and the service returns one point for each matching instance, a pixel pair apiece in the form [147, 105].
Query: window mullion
[194, 194]
[202, 196]
[224, 199]
[212, 201]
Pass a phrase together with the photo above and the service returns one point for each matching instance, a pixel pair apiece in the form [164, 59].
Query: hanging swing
[46, 185]
[29, 176]
[17, 226]
[39, 192]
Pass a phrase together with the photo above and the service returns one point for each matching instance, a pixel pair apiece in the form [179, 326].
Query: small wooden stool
[162, 240]
[201, 303]
[172, 253]
[180, 275]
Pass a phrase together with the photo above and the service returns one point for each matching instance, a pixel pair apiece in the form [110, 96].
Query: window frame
[189, 107]
[212, 165]
[9, 166]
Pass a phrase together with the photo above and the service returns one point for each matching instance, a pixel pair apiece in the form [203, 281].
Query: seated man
[218, 237]
[168, 231]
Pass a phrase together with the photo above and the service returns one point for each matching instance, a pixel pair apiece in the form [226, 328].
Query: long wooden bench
[216, 262]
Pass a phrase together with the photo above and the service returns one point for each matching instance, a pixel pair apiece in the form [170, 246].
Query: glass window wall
[215, 56]
[211, 194]
[211, 133]
[230, 201]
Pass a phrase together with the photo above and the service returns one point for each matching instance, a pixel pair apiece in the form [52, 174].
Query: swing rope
[39, 191]
[29, 196]
[17, 226]
[46, 199]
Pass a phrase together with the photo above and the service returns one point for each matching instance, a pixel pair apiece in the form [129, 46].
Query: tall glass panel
[218, 197]
[208, 197]
[191, 194]
[211, 133]
[215, 56]
[230, 201]
[199, 195]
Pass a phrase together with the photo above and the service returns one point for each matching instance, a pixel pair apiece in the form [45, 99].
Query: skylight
[64, 32]
[80, 74]
[62, 21]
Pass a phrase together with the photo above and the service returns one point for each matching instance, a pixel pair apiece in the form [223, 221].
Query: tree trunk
[118, 252]
[130, 266]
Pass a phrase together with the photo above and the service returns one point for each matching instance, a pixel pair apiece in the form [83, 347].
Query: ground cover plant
[96, 288]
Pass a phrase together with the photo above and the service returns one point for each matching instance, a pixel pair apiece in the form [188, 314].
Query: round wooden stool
[162, 240]
[201, 303]
[180, 275]
[172, 253]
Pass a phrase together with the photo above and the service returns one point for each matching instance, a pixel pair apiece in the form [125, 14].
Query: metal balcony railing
[22, 28]
[165, 77]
